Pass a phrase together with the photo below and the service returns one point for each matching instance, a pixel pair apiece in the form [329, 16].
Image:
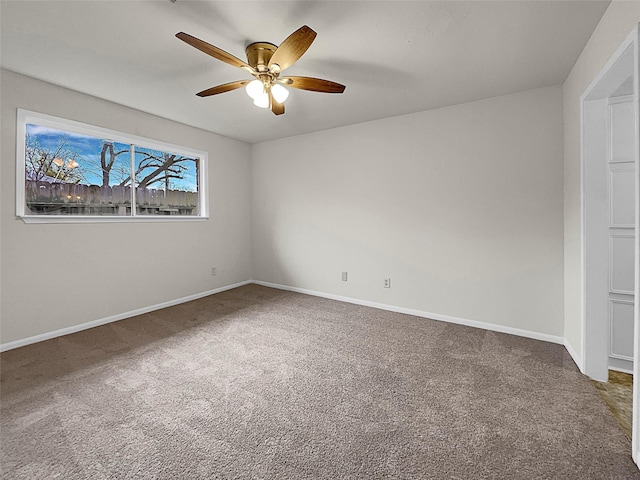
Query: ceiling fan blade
[227, 87]
[313, 84]
[276, 108]
[292, 48]
[215, 52]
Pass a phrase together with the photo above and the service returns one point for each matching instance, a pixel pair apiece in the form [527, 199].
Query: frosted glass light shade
[254, 89]
[280, 94]
[261, 100]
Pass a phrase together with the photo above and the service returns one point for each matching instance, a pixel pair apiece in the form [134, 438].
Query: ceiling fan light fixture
[280, 94]
[265, 62]
[255, 89]
[262, 100]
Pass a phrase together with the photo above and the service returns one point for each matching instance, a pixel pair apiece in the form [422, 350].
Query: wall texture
[59, 276]
[461, 207]
[617, 22]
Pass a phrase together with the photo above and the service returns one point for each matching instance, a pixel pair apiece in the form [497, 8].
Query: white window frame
[25, 117]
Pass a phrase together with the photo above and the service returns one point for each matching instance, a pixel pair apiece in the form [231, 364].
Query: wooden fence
[78, 199]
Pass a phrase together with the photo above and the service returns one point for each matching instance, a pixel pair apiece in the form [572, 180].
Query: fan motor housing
[259, 53]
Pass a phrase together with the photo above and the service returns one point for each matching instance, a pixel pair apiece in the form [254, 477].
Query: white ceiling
[394, 57]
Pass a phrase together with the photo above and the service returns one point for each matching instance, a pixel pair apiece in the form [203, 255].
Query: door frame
[595, 333]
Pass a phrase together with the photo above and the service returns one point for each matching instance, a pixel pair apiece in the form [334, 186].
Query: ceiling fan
[266, 61]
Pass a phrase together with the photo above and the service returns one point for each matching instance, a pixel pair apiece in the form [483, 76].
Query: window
[72, 172]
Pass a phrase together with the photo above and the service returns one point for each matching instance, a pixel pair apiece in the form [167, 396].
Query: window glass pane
[72, 174]
[166, 183]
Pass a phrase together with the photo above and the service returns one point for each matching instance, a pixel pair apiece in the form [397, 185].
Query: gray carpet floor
[257, 383]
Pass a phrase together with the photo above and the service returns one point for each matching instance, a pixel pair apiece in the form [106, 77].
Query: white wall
[59, 276]
[460, 206]
[619, 19]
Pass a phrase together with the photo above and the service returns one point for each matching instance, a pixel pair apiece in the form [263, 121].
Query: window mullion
[134, 209]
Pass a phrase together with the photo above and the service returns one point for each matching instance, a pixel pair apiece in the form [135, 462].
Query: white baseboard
[576, 358]
[419, 313]
[392, 308]
[114, 318]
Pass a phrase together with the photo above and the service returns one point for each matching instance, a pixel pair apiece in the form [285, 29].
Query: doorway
[610, 200]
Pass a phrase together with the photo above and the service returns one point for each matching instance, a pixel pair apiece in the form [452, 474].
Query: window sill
[105, 219]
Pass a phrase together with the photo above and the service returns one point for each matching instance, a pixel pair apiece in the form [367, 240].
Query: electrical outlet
[214, 271]
[344, 276]
[387, 283]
